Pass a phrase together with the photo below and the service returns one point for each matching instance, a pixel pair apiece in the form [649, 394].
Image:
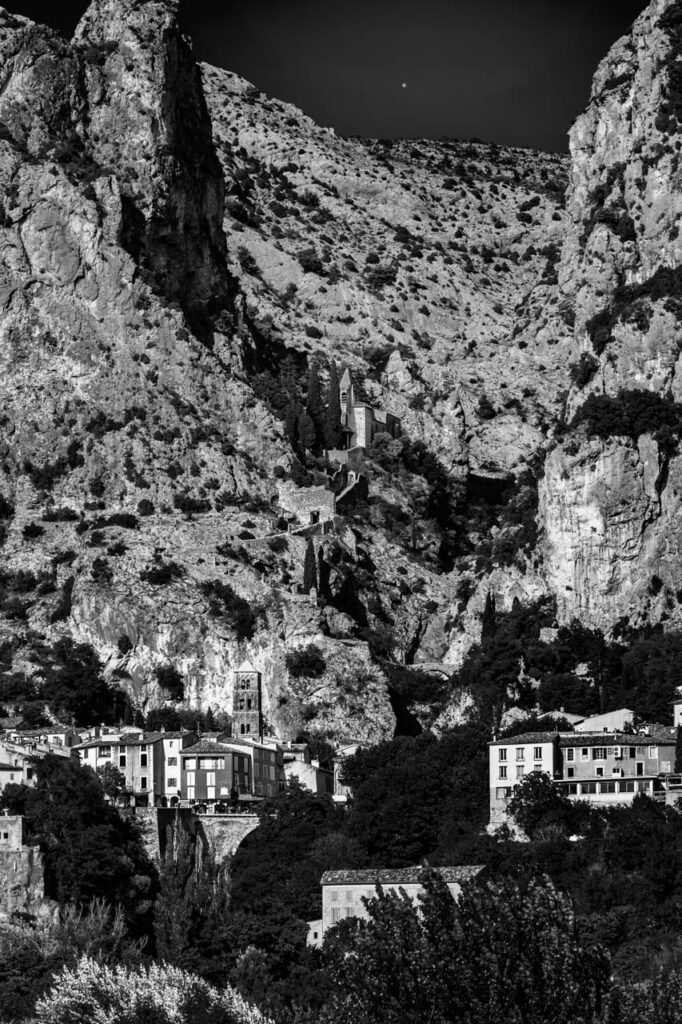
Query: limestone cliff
[610, 510]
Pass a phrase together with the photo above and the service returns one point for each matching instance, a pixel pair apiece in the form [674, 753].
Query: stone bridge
[220, 834]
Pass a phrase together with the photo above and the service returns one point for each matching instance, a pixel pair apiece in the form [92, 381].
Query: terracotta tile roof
[528, 737]
[206, 747]
[398, 876]
[659, 735]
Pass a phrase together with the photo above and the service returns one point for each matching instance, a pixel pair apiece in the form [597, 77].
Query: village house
[601, 767]
[21, 871]
[343, 892]
[216, 771]
[149, 762]
[298, 764]
[17, 750]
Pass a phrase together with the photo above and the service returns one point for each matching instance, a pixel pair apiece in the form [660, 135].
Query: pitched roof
[660, 734]
[206, 747]
[528, 737]
[398, 876]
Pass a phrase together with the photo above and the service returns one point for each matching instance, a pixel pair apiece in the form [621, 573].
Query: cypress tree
[489, 621]
[314, 406]
[309, 568]
[332, 425]
[307, 435]
[291, 414]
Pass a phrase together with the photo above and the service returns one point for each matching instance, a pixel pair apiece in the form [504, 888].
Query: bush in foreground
[157, 994]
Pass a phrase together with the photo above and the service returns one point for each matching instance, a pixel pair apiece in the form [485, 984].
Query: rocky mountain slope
[176, 249]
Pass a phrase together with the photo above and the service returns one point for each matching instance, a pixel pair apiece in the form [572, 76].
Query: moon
[404, 85]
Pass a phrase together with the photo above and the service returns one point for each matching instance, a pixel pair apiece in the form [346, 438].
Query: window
[336, 914]
[641, 751]
[170, 744]
[29, 773]
[335, 896]
[537, 767]
[570, 773]
[172, 784]
[585, 754]
[122, 760]
[503, 771]
[633, 752]
[349, 896]
[503, 792]
[502, 753]
[599, 753]
[572, 789]
[190, 764]
[172, 761]
[626, 787]
[607, 787]
[570, 754]
[143, 760]
[143, 782]
[599, 773]
[520, 753]
[588, 787]
[85, 753]
[652, 751]
[537, 753]
[519, 771]
[104, 752]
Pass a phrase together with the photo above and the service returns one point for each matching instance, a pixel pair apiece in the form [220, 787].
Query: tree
[139, 995]
[314, 406]
[305, 432]
[309, 568]
[291, 413]
[191, 912]
[112, 780]
[332, 422]
[504, 954]
[488, 625]
[90, 850]
[537, 802]
[416, 797]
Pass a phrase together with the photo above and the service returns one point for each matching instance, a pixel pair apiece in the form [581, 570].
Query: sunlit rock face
[611, 510]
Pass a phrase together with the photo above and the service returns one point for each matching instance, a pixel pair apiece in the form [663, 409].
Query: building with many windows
[601, 767]
[149, 762]
[216, 771]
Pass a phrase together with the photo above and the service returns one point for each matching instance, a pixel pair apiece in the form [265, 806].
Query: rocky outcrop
[609, 509]
[612, 548]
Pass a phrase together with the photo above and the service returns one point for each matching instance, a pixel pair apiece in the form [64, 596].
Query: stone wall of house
[302, 501]
[11, 833]
[22, 887]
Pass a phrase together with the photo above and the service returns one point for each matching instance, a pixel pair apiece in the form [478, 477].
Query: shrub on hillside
[631, 414]
[223, 602]
[157, 993]
[307, 661]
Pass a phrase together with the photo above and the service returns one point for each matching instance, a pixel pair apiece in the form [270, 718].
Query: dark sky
[509, 71]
